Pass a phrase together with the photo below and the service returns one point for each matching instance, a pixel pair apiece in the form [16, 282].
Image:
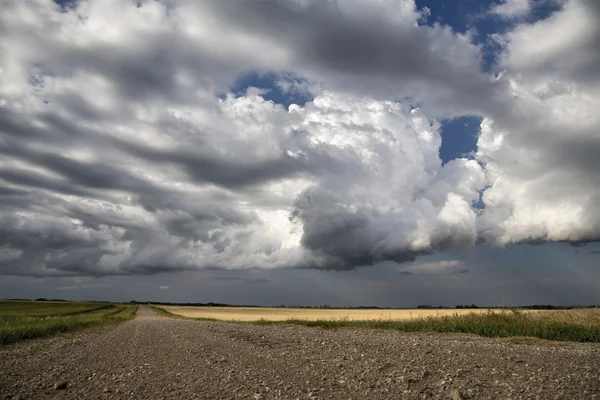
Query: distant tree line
[190, 304]
[430, 307]
[45, 299]
[551, 307]
[327, 306]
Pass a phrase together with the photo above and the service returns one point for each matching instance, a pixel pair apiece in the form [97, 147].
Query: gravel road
[154, 357]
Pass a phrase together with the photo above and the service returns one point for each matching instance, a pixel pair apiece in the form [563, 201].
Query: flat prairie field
[46, 308]
[21, 320]
[283, 314]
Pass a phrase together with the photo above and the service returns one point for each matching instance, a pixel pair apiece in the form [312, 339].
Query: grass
[579, 325]
[546, 326]
[47, 308]
[162, 311]
[25, 321]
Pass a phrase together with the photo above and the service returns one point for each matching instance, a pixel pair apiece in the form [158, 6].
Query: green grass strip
[47, 308]
[14, 328]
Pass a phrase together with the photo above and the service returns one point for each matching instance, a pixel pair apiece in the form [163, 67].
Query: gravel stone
[154, 357]
[455, 395]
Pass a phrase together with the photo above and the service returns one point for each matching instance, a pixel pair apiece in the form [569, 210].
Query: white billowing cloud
[165, 49]
[512, 8]
[374, 203]
[564, 46]
[119, 158]
[542, 158]
[336, 183]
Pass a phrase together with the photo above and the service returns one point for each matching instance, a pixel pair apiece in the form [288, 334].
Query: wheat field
[249, 314]
[579, 325]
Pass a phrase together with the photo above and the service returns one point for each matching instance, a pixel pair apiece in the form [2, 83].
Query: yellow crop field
[310, 314]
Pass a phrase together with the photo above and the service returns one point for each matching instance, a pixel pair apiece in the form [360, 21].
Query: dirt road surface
[154, 357]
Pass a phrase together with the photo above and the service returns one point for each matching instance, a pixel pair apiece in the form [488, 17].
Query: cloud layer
[123, 151]
[542, 157]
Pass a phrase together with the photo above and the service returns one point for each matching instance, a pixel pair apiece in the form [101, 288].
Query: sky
[301, 152]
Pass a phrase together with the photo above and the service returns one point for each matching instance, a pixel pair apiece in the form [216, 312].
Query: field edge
[16, 328]
[511, 323]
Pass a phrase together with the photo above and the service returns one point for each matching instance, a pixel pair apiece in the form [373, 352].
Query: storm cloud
[125, 151]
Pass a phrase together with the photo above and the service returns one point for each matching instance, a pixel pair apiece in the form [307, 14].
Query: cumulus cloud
[562, 47]
[542, 158]
[342, 43]
[123, 151]
[512, 8]
[337, 183]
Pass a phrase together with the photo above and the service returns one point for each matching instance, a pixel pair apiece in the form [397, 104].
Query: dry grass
[579, 325]
[589, 317]
[250, 314]
[567, 325]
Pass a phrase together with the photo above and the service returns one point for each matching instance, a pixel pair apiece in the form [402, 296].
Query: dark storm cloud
[26, 178]
[346, 45]
[364, 45]
[118, 158]
[200, 167]
[224, 172]
[345, 240]
[12, 192]
[512, 282]
[142, 68]
[88, 174]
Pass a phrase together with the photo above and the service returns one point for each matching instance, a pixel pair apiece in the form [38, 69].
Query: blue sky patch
[459, 136]
[276, 93]
[469, 16]
[66, 4]
[474, 16]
